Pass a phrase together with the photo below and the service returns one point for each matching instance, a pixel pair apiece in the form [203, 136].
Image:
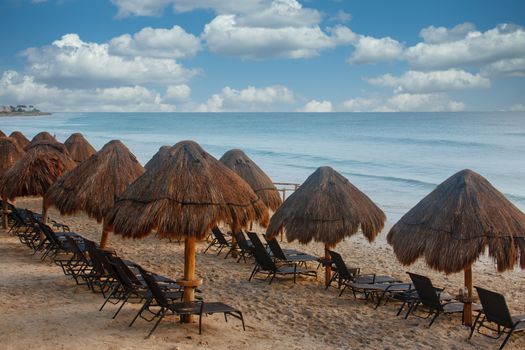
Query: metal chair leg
[161, 314]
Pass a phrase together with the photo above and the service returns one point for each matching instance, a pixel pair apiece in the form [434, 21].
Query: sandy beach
[43, 309]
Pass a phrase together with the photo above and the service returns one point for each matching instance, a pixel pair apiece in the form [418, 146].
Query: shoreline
[23, 114]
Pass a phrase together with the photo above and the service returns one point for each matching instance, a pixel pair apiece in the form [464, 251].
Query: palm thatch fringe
[454, 224]
[250, 172]
[20, 138]
[10, 153]
[95, 184]
[327, 208]
[79, 148]
[185, 195]
[42, 164]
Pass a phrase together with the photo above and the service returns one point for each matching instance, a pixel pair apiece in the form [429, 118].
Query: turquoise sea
[395, 158]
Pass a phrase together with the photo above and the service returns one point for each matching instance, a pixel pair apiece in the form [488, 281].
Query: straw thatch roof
[262, 185]
[95, 184]
[157, 157]
[20, 138]
[186, 195]
[2, 134]
[10, 152]
[454, 224]
[326, 208]
[79, 148]
[42, 164]
[42, 136]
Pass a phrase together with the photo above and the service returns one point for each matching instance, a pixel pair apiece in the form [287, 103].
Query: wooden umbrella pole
[467, 311]
[104, 237]
[328, 266]
[234, 247]
[189, 272]
[4, 214]
[44, 212]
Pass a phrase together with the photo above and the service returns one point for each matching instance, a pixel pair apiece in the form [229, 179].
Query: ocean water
[395, 158]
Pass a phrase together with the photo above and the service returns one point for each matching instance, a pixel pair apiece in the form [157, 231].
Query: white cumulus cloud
[271, 98]
[438, 35]
[404, 102]
[140, 7]
[433, 81]
[317, 106]
[178, 93]
[341, 16]
[156, 42]
[71, 62]
[371, 50]
[514, 67]
[475, 49]
[221, 6]
[23, 89]
[281, 13]
[224, 35]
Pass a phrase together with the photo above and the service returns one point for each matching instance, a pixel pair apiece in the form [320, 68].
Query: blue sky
[263, 55]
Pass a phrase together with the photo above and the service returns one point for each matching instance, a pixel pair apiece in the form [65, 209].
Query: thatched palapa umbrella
[187, 194]
[157, 157]
[2, 134]
[261, 184]
[79, 148]
[10, 153]
[42, 164]
[41, 136]
[452, 226]
[95, 184]
[326, 208]
[20, 138]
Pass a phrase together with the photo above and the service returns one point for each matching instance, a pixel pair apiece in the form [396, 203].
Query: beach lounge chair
[197, 307]
[54, 243]
[125, 288]
[219, 241]
[357, 282]
[24, 228]
[279, 253]
[246, 249]
[429, 297]
[78, 265]
[101, 275]
[130, 283]
[18, 221]
[496, 313]
[265, 264]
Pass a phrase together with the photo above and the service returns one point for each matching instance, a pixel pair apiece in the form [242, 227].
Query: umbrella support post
[44, 213]
[44, 219]
[467, 311]
[234, 247]
[189, 274]
[104, 237]
[328, 267]
[5, 212]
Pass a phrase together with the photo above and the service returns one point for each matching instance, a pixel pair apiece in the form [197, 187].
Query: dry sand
[41, 308]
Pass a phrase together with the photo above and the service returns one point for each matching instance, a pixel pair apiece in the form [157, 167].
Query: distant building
[18, 108]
